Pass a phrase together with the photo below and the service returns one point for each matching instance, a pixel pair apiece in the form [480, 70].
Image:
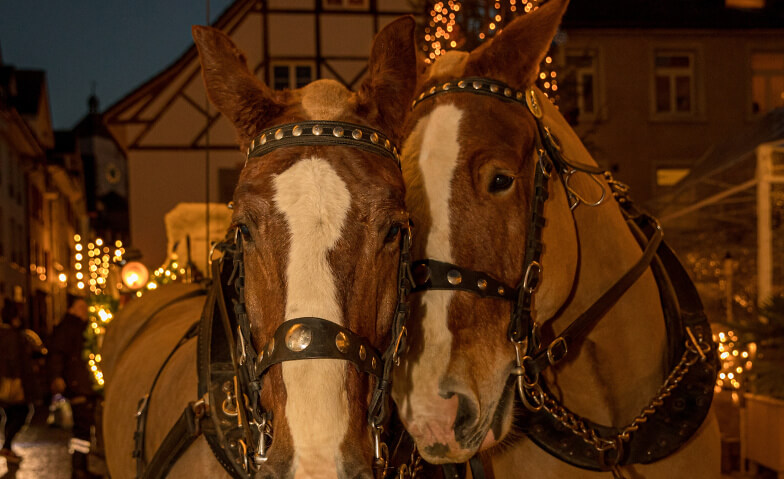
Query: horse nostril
[466, 418]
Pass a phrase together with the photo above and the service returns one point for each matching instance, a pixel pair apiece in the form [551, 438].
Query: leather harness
[684, 399]
[230, 370]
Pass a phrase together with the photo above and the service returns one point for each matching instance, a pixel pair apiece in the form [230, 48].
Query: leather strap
[187, 428]
[433, 274]
[325, 339]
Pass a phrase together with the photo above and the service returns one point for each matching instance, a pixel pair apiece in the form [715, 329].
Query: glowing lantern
[135, 275]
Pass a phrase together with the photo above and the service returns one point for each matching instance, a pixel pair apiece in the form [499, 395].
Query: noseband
[564, 434]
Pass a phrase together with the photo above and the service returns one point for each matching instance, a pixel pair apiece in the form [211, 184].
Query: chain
[695, 351]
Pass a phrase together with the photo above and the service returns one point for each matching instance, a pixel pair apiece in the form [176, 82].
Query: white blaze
[315, 202]
[437, 161]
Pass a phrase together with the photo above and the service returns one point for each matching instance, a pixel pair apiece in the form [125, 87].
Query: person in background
[16, 378]
[72, 378]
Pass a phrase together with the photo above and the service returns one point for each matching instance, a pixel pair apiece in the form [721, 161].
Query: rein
[549, 424]
[231, 370]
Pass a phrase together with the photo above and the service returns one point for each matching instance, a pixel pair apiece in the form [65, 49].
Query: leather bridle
[241, 448]
[606, 450]
[310, 337]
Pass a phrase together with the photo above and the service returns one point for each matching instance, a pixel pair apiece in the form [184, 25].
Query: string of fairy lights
[448, 29]
[735, 360]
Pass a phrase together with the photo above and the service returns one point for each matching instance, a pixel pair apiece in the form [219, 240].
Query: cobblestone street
[44, 452]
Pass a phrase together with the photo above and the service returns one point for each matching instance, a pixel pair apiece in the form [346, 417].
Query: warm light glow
[62, 277]
[135, 275]
[77, 238]
[80, 285]
[99, 241]
[78, 247]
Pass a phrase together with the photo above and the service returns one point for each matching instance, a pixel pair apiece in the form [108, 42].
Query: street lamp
[134, 275]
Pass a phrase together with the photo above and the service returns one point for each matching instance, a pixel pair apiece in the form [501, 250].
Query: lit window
[670, 176]
[745, 3]
[674, 83]
[767, 81]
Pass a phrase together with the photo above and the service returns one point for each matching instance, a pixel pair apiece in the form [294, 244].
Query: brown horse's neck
[620, 365]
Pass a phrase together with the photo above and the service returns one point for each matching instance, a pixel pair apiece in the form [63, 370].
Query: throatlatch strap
[179, 438]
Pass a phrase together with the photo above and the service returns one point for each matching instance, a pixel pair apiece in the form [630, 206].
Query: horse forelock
[325, 100]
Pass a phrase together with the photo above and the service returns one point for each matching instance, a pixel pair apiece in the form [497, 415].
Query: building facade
[653, 89]
[180, 149]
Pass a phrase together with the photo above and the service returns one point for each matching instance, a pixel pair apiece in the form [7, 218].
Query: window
[36, 203]
[744, 3]
[345, 4]
[285, 75]
[581, 82]
[767, 81]
[668, 176]
[674, 91]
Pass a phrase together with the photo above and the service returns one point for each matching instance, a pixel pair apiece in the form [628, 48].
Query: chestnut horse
[470, 163]
[321, 224]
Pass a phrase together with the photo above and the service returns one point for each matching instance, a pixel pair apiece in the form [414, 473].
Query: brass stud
[317, 130]
[342, 343]
[477, 85]
[252, 144]
[432, 90]
[278, 134]
[446, 86]
[387, 144]
[519, 96]
[507, 92]
[373, 362]
[494, 88]
[374, 138]
[230, 205]
[454, 277]
[356, 134]
[461, 84]
[271, 347]
[296, 131]
[394, 150]
[263, 140]
[362, 353]
[298, 338]
[337, 132]
[501, 290]
[422, 95]
[481, 284]
[413, 104]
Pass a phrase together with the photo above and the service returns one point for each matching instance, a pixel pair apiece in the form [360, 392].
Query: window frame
[596, 69]
[345, 6]
[769, 73]
[696, 90]
[292, 67]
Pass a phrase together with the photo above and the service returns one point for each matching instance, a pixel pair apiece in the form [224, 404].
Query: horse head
[321, 227]
[469, 164]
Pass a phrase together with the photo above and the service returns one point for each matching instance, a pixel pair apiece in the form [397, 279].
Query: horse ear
[514, 54]
[231, 87]
[392, 74]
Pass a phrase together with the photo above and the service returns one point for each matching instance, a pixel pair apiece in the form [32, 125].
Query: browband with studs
[485, 86]
[317, 133]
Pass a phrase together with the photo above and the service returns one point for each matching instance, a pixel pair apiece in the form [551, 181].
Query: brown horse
[469, 164]
[320, 227]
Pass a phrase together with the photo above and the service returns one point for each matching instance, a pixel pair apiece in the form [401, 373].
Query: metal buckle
[696, 346]
[380, 450]
[395, 357]
[576, 196]
[534, 265]
[260, 457]
[551, 358]
[529, 390]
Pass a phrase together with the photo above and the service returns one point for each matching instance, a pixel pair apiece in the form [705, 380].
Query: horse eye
[500, 183]
[244, 230]
[392, 234]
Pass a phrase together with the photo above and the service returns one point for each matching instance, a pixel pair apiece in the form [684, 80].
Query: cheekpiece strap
[433, 274]
[319, 133]
[317, 338]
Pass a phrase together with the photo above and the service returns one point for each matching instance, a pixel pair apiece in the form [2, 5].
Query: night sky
[116, 44]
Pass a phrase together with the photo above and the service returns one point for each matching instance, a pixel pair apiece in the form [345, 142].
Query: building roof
[672, 14]
[29, 88]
